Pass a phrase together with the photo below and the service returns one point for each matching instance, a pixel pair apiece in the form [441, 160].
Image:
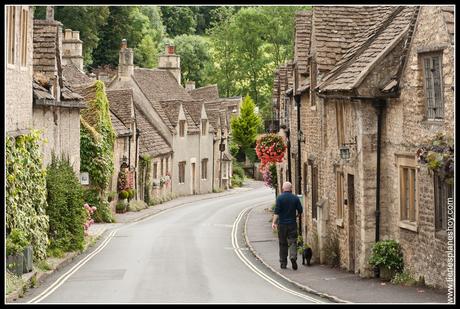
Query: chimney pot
[124, 43]
[50, 13]
[190, 85]
[170, 49]
[76, 34]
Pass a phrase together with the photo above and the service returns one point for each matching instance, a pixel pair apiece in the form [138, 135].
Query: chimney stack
[190, 85]
[72, 48]
[50, 13]
[171, 62]
[125, 60]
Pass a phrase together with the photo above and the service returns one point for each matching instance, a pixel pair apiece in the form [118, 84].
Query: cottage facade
[366, 87]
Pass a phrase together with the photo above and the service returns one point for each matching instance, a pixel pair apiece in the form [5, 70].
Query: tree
[178, 20]
[194, 53]
[245, 127]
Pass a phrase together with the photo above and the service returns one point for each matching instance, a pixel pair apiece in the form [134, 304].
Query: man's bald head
[287, 187]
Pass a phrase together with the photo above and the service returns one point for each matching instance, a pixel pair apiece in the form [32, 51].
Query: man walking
[287, 204]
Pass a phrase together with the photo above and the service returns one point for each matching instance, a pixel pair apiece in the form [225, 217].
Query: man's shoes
[283, 266]
[294, 264]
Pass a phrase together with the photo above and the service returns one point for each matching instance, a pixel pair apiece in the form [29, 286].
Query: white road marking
[255, 269]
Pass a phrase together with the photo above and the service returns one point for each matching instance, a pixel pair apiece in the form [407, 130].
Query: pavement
[332, 283]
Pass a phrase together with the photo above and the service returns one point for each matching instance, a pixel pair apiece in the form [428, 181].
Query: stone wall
[18, 83]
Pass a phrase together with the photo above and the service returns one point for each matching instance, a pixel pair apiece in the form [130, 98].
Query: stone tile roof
[74, 77]
[448, 12]
[158, 85]
[302, 40]
[172, 108]
[213, 112]
[194, 110]
[121, 104]
[334, 27]
[150, 140]
[207, 93]
[120, 129]
[369, 48]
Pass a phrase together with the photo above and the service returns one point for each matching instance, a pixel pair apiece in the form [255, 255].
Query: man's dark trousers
[287, 235]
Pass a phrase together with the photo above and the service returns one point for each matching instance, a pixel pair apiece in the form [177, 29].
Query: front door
[193, 178]
[351, 221]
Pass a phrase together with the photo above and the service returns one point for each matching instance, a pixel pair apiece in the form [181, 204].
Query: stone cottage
[373, 84]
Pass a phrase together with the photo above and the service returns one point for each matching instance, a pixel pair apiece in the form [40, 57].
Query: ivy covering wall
[97, 138]
[25, 191]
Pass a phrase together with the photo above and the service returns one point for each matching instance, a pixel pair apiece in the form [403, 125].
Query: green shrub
[55, 252]
[237, 169]
[111, 196]
[65, 206]
[16, 242]
[103, 212]
[237, 181]
[123, 194]
[137, 205]
[387, 254]
[332, 250]
[131, 193]
[404, 278]
[120, 207]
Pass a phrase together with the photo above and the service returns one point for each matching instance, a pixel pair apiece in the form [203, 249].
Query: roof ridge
[364, 45]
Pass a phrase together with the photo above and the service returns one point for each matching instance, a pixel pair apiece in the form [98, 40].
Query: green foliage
[387, 254]
[97, 138]
[111, 196]
[123, 194]
[12, 282]
[44, 265]
[65, 206]
[137, 205]
[194, 55]
[237, 181]
[404, 278]
[16, 242]
[178, 20]
[234, 148]
[145, 163]
[238, 169]
[120, 207]
[300, 244]
[55, 252]
[25, 191]
[246, 125]
[103, 212]
[332, 250]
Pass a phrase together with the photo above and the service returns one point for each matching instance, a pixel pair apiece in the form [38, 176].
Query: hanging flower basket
[270, 148]
[438, 156]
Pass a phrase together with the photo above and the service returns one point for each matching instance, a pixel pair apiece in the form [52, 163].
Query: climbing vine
[146, 165]
[26, 191]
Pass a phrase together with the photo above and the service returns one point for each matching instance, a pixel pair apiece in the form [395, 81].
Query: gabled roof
[213, 112]
[74, 76]
[172, 109]
[207, 93]
[158, 85]
[370, 48]
[194, 110]
[120, 129]
[121, 104]
[150, 141]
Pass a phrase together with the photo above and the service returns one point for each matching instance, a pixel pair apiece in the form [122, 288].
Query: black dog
[306, 255]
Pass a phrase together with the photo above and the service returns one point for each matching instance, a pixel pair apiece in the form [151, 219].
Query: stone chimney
[190, 85]
[50, 13]
[171, 62]
[125, 60]
[72, 49]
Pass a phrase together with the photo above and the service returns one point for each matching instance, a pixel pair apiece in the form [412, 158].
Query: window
[11, 33]
[204, 169]
[182, 172]
[155, 170]
[167, 164]
[442, 193]
[339, 195]
[24, 26]
[203, 126]
[433, 86]
[407, 193]
[340, 127]
[181, 128]
[224, 170]
[161, 167]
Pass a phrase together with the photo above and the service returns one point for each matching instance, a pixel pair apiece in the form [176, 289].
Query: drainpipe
[379, 105]
[289, 154]
[299, 153]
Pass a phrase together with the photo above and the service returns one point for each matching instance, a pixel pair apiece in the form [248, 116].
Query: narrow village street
[184, 255]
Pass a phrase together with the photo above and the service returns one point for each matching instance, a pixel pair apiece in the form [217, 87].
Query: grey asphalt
[183, 254]
[336, 284]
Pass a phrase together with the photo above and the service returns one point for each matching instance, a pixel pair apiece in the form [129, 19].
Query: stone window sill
[430, 122]
[409, 225]
[339, 222]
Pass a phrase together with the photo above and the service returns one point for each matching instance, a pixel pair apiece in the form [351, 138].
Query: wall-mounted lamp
[345, 150]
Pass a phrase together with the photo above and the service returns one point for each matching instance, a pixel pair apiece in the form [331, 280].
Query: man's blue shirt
[286, 206]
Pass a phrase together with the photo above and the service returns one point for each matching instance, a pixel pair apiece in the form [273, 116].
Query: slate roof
[335, 28]
[150, 141]
[158, 85]
[207, 93]
[120, 101]
[120, 129]
[370, 47]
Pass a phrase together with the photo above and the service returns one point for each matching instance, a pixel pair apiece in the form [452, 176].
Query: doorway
[193, 178]
[351, 221]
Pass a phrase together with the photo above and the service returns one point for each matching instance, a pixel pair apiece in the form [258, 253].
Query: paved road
[193, 253]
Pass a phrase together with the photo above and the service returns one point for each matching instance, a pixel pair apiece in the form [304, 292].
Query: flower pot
[15, 264]
[386, 274]
[28, 259]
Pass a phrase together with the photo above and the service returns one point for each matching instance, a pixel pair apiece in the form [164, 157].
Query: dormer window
[204, 124]
[181, 128]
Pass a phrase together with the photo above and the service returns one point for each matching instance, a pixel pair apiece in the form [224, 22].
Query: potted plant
[120, 207]
[16, 244]
[387, 256]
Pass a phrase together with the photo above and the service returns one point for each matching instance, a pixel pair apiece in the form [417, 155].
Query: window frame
[182, 172]
[24, 23]
[441, 201]
[406, 220]
[11, 49]
[155, 170]
[428, 78]
[181, 128]
[204, 169]
[204, 124]
[340, 178]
